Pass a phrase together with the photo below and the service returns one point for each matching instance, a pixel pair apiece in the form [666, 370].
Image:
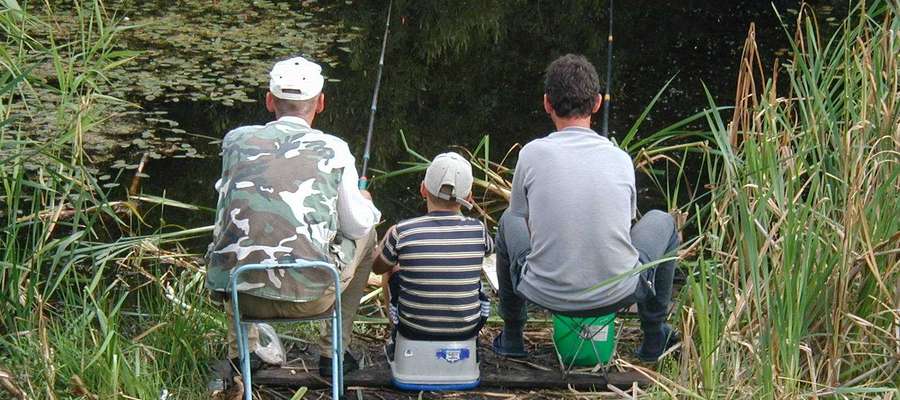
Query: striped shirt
[440, 256]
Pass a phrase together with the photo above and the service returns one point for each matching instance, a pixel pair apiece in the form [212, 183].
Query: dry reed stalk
[79, 389]
[8, 383]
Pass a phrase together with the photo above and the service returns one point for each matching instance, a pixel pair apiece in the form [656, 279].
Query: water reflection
[456, 71]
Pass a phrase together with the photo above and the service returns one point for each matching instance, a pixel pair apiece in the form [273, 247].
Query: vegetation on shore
[795, 292]
[792, 281]
[91, 306]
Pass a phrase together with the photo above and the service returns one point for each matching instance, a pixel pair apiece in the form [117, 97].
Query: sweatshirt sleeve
[518, 202]
[357, 214]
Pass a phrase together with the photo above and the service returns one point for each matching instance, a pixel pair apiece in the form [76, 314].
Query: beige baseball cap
[296, 79]
[450, 169]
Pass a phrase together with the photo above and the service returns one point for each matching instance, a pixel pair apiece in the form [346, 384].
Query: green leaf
[299, 393]
[11, 5]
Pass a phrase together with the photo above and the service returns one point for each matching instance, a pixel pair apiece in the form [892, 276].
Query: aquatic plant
[226, 53]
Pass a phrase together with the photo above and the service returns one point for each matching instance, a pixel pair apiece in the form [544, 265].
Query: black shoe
[350, 364]
[256, 364]
[516, 350]
[651, 349]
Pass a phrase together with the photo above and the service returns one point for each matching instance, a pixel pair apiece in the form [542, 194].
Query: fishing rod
[609, 58]
[363, 180]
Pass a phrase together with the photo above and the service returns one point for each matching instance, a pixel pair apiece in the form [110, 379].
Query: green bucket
[584, 341]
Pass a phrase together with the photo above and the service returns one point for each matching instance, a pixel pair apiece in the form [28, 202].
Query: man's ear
[547, 106]
[597, 104]
[320, 103]
[270, 102]
[422, 190]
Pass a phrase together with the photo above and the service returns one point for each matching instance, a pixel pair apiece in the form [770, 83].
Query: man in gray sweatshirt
[566, 242]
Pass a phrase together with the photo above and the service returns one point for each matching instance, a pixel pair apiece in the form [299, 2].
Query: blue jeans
[655, 237]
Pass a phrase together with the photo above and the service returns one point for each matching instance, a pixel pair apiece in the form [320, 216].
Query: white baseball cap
[450, 169]
[296, 79]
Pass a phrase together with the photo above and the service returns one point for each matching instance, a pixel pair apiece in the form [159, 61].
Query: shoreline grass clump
[795, 292]
[91, 308]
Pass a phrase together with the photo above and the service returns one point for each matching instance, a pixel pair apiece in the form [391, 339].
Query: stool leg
[577, 352]
[240, 330]
[337, 367]
[337, 344]
[245, 362]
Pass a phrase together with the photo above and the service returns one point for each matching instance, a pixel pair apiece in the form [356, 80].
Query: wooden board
[521, 380]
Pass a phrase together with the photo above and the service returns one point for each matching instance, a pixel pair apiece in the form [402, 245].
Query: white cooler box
[434, 366]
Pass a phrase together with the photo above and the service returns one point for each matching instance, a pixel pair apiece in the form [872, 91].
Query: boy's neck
[433, 208]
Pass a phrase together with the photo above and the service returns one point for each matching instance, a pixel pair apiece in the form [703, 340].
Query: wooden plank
[513, 380]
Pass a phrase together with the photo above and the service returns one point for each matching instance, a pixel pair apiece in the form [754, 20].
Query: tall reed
[796, 294]
[89, 308]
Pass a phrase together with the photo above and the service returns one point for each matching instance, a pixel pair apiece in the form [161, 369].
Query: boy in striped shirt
[435, 260]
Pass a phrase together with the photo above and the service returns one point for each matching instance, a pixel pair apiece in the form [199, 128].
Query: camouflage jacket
[278, 199]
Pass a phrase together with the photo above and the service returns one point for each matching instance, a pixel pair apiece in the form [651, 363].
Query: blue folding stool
[337, 362]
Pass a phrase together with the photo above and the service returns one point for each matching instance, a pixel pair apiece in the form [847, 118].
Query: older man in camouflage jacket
[289, 191]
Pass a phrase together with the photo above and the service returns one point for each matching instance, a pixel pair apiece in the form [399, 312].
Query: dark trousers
[655, 237]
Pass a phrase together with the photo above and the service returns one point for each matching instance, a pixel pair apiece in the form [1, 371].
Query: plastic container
[585, 341]
[433, 365]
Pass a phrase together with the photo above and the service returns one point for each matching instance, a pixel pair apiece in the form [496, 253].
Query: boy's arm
[488, 241]
[381, 266]
[387, 252]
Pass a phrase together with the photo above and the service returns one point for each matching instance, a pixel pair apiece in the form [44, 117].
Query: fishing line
[609, 58]
[363, 180]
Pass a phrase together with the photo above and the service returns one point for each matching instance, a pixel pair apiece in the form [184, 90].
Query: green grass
[92, 308]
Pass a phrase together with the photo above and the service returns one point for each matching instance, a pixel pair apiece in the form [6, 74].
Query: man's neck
[307, 118]
[563, 123]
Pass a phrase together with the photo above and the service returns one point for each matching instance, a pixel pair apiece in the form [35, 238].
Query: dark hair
[572, 85]
[294, 107]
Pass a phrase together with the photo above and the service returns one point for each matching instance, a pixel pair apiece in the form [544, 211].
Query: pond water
[455, 71]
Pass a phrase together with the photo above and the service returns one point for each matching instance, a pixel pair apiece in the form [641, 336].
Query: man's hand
[366, 194]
